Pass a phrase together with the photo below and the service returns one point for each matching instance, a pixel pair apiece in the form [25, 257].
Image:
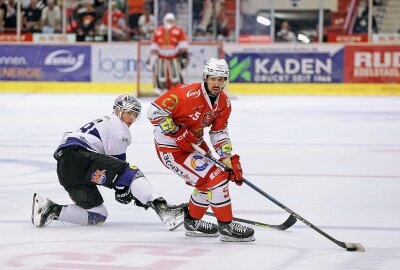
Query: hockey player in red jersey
[169, 53]
[179, 117]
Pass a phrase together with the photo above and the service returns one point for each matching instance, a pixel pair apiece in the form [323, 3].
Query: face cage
[123, 110]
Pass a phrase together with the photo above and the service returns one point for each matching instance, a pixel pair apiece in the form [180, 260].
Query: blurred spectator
[197, 11]
[10, 16]
[146, 23]
[135, 10]
[150, 4]
[31, 18]
[361, 24]
[118, 24]
[3, 11]
[285, 34]
[86, 20]
[100, 6]
[213, 18]
[51, 18]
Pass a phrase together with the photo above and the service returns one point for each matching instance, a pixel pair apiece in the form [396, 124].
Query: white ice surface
[333, 160]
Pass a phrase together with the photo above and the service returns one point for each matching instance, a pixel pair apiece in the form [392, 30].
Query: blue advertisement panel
[44, 63]
[277, 64]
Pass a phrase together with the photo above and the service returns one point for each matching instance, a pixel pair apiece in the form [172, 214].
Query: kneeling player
[95, 155]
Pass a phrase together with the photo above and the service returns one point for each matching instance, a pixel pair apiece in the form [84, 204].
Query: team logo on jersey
[99, 177]
[207, 119]
[170, 163]
[193, 93]
[215, 173]
[198, 163]
[170, 102]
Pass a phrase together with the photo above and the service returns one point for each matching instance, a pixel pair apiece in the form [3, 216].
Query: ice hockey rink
[333, 160]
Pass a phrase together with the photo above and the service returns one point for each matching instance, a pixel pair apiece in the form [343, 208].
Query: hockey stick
[346, 245]
[285, 225]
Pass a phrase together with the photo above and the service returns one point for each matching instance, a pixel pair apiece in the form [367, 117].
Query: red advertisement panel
[255, 38]
[345, 38]
[372, 64]
[10, 37]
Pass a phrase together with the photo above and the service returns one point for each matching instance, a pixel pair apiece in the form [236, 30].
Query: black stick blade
[288, 223]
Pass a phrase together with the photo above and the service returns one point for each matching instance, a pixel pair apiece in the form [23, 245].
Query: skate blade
[33, 209]
[225, 238]
[200, 234]
[172, 225]
[36, 209]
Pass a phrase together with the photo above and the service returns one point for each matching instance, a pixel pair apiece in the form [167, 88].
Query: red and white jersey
[189, 105]
[117, 18]
[168, 43]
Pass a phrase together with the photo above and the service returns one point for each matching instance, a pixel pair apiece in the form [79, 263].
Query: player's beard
[208, 90]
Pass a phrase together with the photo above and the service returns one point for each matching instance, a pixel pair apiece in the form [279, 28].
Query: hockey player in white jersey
[95, 155]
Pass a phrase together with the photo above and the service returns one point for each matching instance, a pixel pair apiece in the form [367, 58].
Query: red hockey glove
[236, 174]
[184, 139]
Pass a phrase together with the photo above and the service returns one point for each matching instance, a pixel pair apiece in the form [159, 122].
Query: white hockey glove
[151, 61]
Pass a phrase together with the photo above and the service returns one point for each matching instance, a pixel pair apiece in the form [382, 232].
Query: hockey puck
[351, 249]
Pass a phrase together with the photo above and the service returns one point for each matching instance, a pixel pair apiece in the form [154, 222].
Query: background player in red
[169, 54]
[179, 117]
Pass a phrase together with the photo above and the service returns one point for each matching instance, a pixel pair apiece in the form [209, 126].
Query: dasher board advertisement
[289, 63]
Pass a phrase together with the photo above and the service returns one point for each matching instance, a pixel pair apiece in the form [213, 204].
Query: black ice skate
[235, 232]
[198, 227]
[44, 211]
[170, 215]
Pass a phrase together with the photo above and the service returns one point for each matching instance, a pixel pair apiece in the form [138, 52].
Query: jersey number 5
[195, 115]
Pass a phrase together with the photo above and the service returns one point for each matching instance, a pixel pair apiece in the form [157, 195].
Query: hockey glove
[236, 172]
[183, 59]
[184, 139]
[123, 194]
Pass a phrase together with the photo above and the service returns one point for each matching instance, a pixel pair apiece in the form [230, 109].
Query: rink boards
[299, 69]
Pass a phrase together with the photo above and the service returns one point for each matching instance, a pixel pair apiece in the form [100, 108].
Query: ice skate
[170, 215]
[235, 232]
[198, 227]
[44, 211]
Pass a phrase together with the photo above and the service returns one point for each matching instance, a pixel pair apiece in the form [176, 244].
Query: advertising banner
[346, 38]
[386, 38]
[54, 38]
[10, 37]
[372, 64]
[115, 63]
[118, 63]
[44, 63]
[289, 63]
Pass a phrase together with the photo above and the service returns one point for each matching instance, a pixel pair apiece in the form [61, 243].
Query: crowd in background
[131, 19]
[134, 19]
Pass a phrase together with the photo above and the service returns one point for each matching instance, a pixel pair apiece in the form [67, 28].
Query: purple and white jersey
[108, 135]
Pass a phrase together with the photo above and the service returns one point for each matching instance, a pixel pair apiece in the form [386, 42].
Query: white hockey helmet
[216, 67]
[167, 20]
[127, 103]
